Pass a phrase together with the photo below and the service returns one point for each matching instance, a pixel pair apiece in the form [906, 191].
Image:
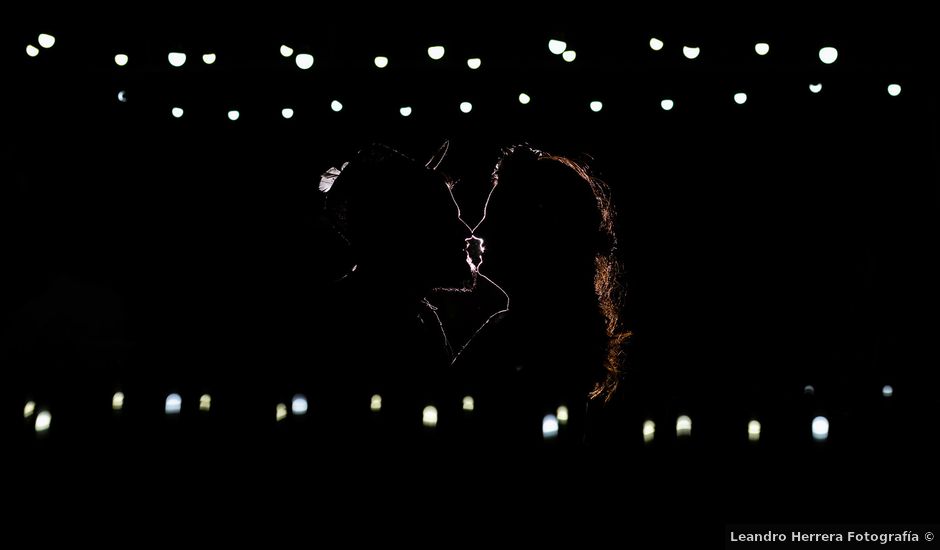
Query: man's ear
[336, 248]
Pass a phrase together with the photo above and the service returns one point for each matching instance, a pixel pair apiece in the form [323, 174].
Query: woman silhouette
[547, 238]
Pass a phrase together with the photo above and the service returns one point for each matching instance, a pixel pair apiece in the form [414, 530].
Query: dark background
[784, 242]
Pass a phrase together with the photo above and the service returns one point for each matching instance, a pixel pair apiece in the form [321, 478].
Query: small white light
[557, 47]
[46, 40]
[466, 107]
[887, 391]
[649, 431]
[177, 112]
[429, 416]
[666, 104]
[690, 52]
[809, 390]
[120, 59]
[762, 48]
[31, 50]
[298, 405]
[815, 88]
[43, 420]
[820, 428]
[304, 61]
[740, 98]
[828, 55]
[562, 415]
[287, 112]
[436, 52]
[381, 62]
[753, 430]
[122, 96]
[569, 55]
[280, 412]
[683, 426]
[205, 402]
[117, 401]
[405, 111]
[336, 106]
[524, 98]
[375, 405]
[596, 106]
[176, 58]
[233, 115]
[286, 50]
[208, 58]
[468, 403]
[656, 44]
[549, 426]
[173, 403]
[474, 63]
[29, 409]
[894, 90]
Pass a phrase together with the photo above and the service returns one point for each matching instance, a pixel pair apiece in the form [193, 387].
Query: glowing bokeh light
[828, 55]
[753, 430]
[174, 403]
[820, 428]
[549, 426]
[43, 421]
[429, 416]
[298, 405]
[557, 47]
[649, 431]
[304, 61]
[177, 59]
[683, 426]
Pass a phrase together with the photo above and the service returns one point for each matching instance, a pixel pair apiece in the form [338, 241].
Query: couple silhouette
[495, 321]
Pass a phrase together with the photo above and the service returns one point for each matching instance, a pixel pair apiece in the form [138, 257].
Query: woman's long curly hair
[609, 286]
